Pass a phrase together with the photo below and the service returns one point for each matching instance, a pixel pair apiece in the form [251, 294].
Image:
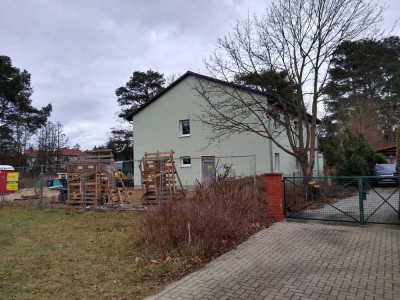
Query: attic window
[184, 127]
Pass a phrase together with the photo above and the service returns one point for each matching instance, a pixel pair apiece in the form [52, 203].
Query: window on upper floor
[184, 127]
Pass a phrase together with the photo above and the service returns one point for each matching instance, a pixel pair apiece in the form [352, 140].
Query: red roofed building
[389, 152]
[62, 156]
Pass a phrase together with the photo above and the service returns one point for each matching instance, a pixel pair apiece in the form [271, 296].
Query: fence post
[254, 179]
[274, 187]
[41, 186]
[84, 182]
[361, 199]
[2, 184]
[161, 182]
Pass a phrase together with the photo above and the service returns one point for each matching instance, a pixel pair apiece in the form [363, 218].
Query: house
[62, 156]
[389, 152]
[170, 121]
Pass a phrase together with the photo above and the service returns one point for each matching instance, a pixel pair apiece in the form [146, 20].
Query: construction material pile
[93, 181]
[159, 178]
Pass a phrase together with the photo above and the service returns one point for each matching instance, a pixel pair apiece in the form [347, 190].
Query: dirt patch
[50, 197]
[18, 195]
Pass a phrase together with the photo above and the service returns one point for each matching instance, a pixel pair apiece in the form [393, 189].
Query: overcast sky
[78, 52]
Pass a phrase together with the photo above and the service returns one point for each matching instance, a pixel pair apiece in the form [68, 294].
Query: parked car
[386, 174]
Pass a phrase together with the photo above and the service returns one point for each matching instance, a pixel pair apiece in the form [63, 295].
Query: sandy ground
[31, 192]
[52, 195]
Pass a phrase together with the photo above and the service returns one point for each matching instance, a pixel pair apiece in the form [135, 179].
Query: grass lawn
[59, 254]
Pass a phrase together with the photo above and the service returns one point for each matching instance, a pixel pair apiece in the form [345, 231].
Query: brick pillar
[275, 196]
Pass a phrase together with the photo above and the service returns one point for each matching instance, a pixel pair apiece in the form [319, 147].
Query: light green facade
[156, 127]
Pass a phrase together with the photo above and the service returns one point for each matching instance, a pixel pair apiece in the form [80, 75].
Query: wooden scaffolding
[159, 178]
[92, 181]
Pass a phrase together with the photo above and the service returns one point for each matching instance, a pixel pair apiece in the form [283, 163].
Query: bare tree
[50, 140]
[297, 37]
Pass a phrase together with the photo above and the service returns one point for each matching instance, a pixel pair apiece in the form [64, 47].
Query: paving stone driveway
[301, 260]
[376, 208]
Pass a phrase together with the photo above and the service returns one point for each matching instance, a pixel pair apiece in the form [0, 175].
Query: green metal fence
[351, 199]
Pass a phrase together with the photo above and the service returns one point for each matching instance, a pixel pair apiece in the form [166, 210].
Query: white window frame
[183, 165]
[181, 128]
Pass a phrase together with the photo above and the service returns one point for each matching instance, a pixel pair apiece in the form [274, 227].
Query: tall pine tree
[141, 87]
[18, 118]
[363, 91]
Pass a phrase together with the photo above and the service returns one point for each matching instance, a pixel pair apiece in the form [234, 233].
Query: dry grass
[55, 254]
[64, 254]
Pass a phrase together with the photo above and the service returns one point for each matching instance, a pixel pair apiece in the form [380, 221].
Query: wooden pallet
[118, 196]
[30, 197]
[159, 178]
[83, 183]
[101, 154]
[91, 181]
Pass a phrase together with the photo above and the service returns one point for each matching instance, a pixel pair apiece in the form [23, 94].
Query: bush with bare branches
[211, 221]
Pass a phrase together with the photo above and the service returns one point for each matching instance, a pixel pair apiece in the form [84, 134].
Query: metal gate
[350, 199]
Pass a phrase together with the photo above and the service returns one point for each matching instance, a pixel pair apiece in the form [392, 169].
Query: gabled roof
[270, 96]
[200, 76]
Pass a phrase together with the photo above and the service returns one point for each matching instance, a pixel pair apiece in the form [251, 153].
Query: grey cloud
[79, 52]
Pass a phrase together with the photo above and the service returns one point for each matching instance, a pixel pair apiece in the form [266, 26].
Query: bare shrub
[213, 220]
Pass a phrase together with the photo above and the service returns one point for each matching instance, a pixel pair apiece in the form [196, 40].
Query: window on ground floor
[186, 161]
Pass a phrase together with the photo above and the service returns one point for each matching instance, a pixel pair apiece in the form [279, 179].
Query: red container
[4, 187]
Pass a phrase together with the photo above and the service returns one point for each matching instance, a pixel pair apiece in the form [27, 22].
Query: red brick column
[275, 196]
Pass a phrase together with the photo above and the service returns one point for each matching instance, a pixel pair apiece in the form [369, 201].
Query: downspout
[133, 142]
[270, 149]
[271, 156]
[317, 154]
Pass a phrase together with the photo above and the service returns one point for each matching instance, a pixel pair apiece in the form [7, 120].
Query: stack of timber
[98, 155]
[158, 178]
[83, 183]
[30, 197]
[92, 180]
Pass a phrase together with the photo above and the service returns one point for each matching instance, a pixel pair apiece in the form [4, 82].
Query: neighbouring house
[169, 121]
[389, 152]
[62, 156]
